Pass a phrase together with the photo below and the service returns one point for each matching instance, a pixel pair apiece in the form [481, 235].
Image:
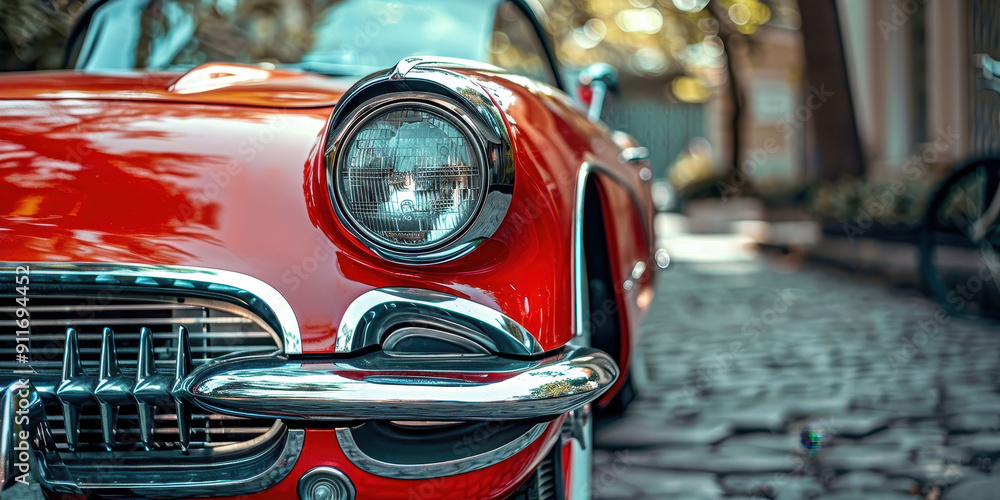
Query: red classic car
[235, 266]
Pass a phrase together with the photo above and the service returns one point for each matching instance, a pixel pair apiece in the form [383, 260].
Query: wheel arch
[605, 316]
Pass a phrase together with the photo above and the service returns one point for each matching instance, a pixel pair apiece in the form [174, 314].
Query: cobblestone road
[741, 359]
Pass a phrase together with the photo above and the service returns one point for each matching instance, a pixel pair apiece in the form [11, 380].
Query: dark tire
[602, 310]
[958, 262]
[606, 337]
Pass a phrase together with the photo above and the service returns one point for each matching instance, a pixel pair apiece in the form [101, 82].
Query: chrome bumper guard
[386, 386]
[29, 462]
[31, 467]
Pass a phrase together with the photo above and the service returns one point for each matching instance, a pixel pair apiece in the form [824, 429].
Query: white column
[855, 30]
[949, 64]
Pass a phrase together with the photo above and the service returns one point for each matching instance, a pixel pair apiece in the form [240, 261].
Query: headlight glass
[410, 177]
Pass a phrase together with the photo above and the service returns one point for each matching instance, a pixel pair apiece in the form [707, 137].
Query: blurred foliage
[693, 166]
[33, 32]
[891, 202]
[647, 38]
[234, 31]
[676, 40]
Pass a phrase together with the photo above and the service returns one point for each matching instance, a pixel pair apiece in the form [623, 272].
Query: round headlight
[410, 177]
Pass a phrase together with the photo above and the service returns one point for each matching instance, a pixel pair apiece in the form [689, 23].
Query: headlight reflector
[410, 177]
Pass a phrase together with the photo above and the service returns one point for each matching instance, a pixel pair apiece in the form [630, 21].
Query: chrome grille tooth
[151, 388]
[109, 417]
[113, 388]
[109, 357]
[71, 423]
[146, 423]
[183, 425]
[146, 363]
[75, 389]
[184, 366]
[72, 364]
[184, 363]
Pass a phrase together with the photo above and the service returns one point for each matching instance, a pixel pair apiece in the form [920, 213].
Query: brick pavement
[742, 358]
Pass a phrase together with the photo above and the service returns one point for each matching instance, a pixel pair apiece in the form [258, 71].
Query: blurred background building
[677, 59]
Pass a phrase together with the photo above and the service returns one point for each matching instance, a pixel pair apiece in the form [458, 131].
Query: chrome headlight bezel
[425, 85]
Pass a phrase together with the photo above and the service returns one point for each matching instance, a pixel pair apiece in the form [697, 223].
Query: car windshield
[336, 37]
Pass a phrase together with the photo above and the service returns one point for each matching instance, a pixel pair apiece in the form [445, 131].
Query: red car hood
[206, 178]
[153, 169]
[235, 84]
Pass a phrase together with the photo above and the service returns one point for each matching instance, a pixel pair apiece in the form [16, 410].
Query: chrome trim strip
[428, 81]
[538, 17]
[258, 296]
[438, 469]
[581, 460]
[577, 247]
[375, 313]
[381, 386]
[251, 474]
[403, 67]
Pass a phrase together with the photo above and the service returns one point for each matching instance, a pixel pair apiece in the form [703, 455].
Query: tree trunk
[829, 93]
[726, 33]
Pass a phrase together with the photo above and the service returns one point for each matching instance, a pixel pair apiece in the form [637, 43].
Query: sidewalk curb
[896, 262]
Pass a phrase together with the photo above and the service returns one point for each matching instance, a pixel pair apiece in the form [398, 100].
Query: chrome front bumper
[383, 386]
[503, 376]
[461, 388]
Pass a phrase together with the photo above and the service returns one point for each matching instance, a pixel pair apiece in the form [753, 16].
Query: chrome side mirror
[598, 81]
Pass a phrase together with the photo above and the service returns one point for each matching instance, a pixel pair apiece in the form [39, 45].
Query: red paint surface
[118, 169]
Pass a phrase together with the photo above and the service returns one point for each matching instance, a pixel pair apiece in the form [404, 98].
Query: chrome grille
[545, 480]
[207, 431]
[212, 328]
